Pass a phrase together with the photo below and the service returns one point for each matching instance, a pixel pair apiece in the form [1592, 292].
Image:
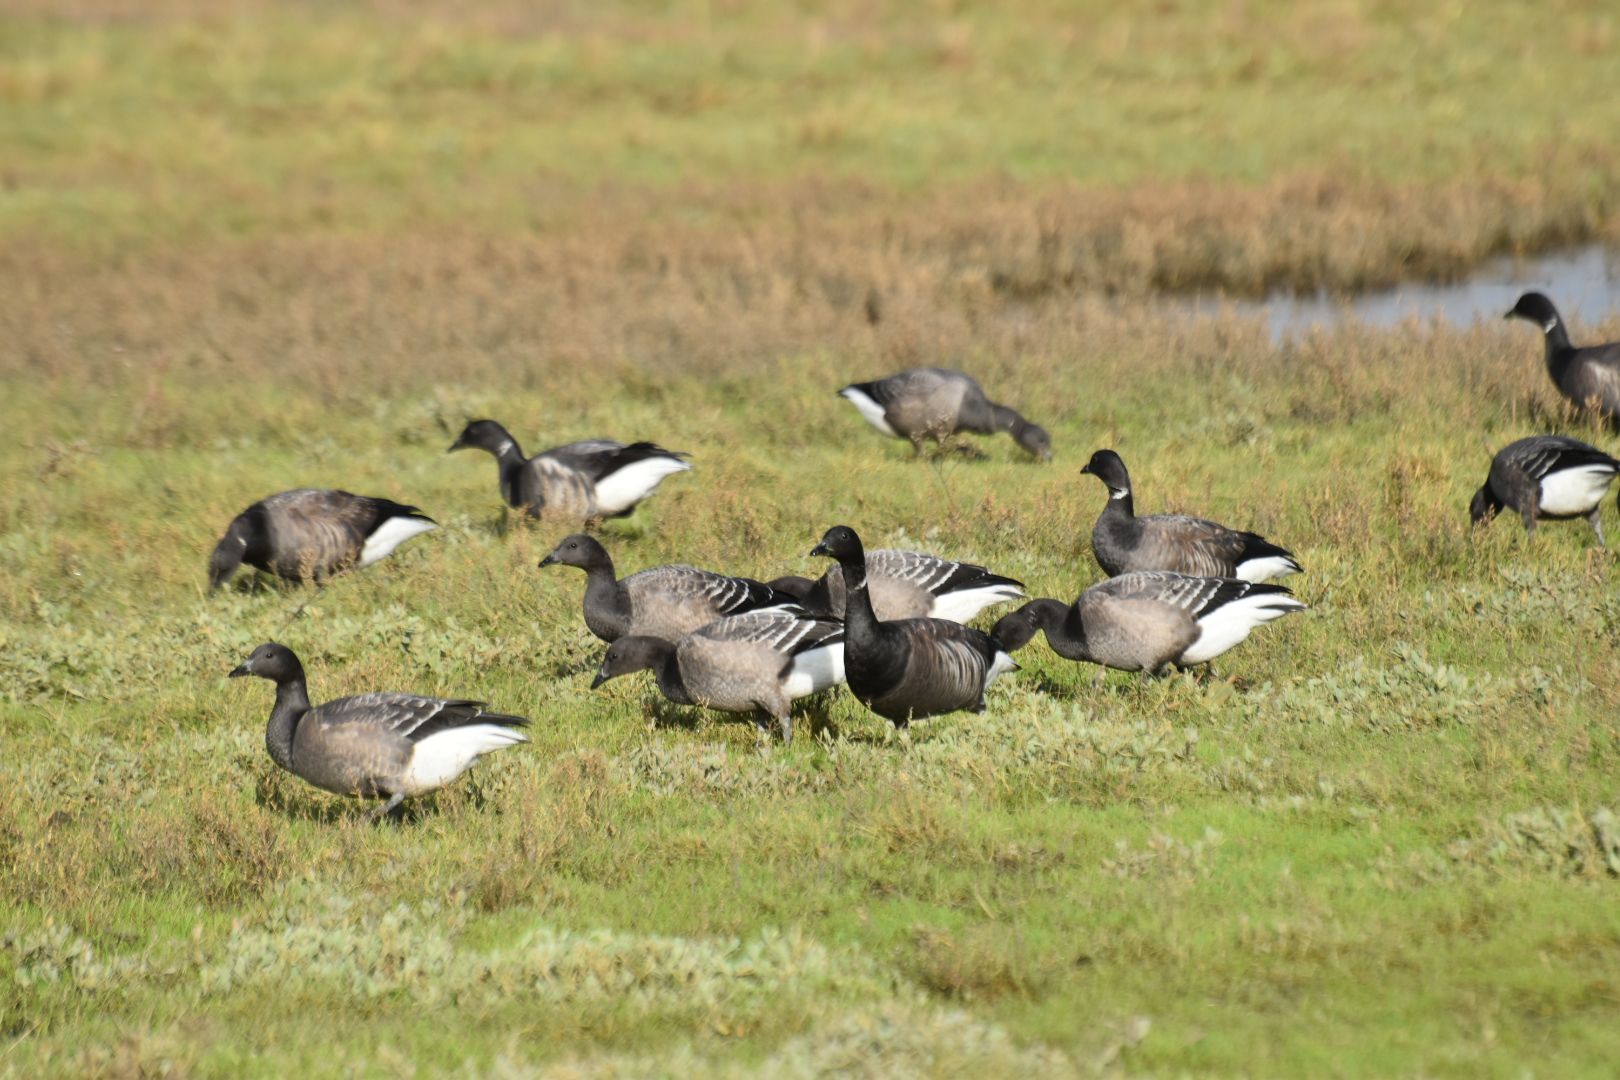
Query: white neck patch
[1119, 493]
[1550, 325]
[504, 447]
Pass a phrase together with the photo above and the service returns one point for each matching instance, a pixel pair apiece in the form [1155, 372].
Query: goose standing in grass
[935, 403]
[1547, 476]
[583, 481]
[1589, 376]
[1149, 619]
[1123, 542]
[379, 745]
[311, 533]
[666, 602]
[757, 662]
[908, 585]
[909, 668]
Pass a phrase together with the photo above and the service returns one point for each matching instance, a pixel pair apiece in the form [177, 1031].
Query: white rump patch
[815, 669]
[1266, 568]
[1230, 623]
[869, 409]
[962, 605]
[439, 759]
[621, 489]
[1575, 491]
[1000, 664]
[390, 534]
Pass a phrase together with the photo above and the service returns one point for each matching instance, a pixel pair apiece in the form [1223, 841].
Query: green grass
[289, 245]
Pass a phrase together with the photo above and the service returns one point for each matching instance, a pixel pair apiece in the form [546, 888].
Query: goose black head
[1485, 505]
[577, 550]
[1535, 307]
[840, 542]
[1106, 466]
[1015, 629]
[272, 661]
[629, 655]
[482, 435]
[1033, 438]
[227, 556]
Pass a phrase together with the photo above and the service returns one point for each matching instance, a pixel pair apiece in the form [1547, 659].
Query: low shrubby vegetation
[274, 246]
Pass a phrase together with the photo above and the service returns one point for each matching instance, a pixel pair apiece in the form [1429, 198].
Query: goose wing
[726, 595]
[599, 458]
[1194, 595]
[782, 631]
[931, 573]
[315, 530]
[1200, 547]
[1595, 376]
[412, 717]
[1541, 455]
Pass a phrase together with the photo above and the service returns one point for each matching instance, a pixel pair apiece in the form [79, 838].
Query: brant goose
[1123, 542]
[311, 533]
[373, 745]
[595, 478]
[757, 662]
[910, 668]
[908, 585]
[1590, 376]
[666, 602]
[933, 403]
[1546, 476]
[1149, 619]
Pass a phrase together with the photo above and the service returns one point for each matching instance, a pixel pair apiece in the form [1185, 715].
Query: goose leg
[1596, 518]
[1530, 512]
[388, 807]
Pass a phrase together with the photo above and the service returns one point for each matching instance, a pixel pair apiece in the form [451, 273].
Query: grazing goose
[910, 668]
[1590, 376]
[908, 585]
[933, 403]
[595, 478]
[1546, 476]
[757, 662]
[373, 745]
[1149, 619]
[311, 533]
[1123, 542]
[666, 602]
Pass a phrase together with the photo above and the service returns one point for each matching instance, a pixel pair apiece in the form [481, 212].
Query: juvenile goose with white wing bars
[373, 745]
[667, 602]
[908, 585]
[758, 662]
[1148, 620]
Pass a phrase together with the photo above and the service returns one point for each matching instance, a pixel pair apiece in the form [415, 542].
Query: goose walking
[909, 668]
[935, 403]
[908, 585]
[1546, 476]
[666, 602]
[582, 481]
[379, 745]
[1123, 542]
[757, 662]
[310, 534]
[1149, 619]
[1589, 376]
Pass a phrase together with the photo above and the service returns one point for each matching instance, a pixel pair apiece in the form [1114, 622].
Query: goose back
[914, 585]
[670, 602]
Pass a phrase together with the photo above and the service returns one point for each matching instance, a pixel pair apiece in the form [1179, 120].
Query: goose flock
[892, 625]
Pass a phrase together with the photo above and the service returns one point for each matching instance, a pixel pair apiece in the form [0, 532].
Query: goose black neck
[1003, 419]
[1065, 633]
[292, 702]
[607, 602]
[860, 621]
[509, 463]
[1559, 348]
[1120, 506]
[668, 670]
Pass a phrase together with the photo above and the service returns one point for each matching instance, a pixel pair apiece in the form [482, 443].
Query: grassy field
[300, 245]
